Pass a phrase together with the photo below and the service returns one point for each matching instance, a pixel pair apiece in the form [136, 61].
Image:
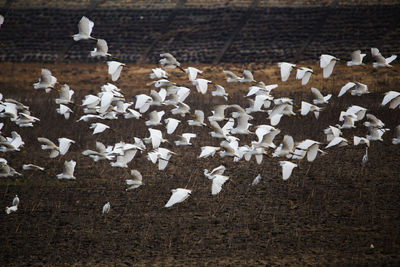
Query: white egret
[287, 168]
[168, 61]
[337, 141]
[68, 171]
[11, 209]
[61, 149]
[201, 85]
[101, 49]
[374, 122]
[106, 208]
[158, 73]
[192, 73]
[327, 62]
[155, 138]
[286, 148]
[256, 180]
[155, 118]
[64, 110]
[360, 140]
[332, 132]
[136, 181]
[46, 81]
[15, 201]
[178, 195]
[114, 69]
[304, 74]
[207, 151]
[218, 113]
[380, 60]
[319, 98]
[181, 109]
[185, 139]
[217, 183]
[65, 95]
[365, 157]
[218, 170]
[85, 27]
[98, 127]
[356, 58]
[101, 152]
[172, 124]
[32, 167]
[198, 119]
[393, 98]
[359, 89]
[286, 68]
[13, 143]
[307, 107]
[220, 91]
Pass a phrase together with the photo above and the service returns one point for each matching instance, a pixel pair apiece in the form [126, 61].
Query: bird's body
[287, 168]
[114, 69]
[106, 208]
[101, 49]
[68, 172]
[356, 58]
[136, 181]
[327, 62]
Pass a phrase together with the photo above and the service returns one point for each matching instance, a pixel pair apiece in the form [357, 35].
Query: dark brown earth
[330, 212]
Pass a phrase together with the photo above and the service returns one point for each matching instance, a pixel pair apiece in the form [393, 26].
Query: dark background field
[329, 212]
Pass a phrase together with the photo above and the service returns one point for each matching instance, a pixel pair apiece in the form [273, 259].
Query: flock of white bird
[110, 104]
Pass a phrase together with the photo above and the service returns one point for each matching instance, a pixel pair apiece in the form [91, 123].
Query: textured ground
[328, 212]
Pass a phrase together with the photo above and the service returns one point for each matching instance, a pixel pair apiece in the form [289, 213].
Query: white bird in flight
[327, 62]
[393, 98]
[101, 49]
[114, 69]
[356, 58]
[380, 60]
[46, 81]
[178, 195]
[286, 68]
[62, 148]
[287, 168]
[85, 27]
[136, 181]
[68, 172]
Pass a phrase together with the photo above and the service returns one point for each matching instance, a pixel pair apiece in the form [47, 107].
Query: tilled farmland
[333, 210]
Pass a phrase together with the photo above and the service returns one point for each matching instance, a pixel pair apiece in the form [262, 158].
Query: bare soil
[329, 212]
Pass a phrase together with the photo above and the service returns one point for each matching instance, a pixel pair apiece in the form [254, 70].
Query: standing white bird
[15, 201]
[46, 81]
[101, 49]
[136, 181]
[106, 208]
[327, 62]
[178, 195]
[356, 58]
[380, 60]
[114, 69]
[1, 20]
[68, 172]
[365, 157]
[85, 27]
[256, 180]
[286, 68]
[287, 168]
